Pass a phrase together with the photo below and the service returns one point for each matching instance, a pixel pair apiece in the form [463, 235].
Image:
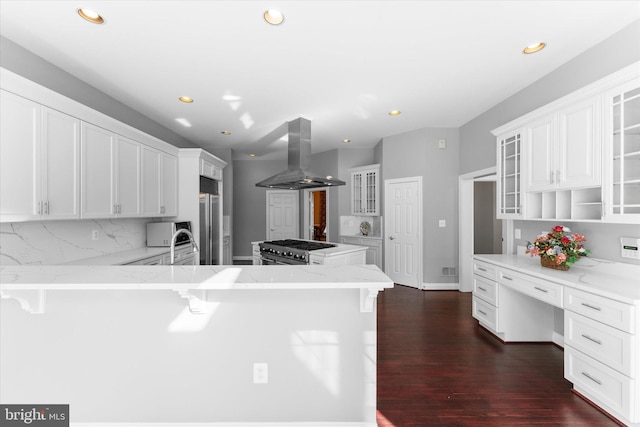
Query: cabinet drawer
[542, 290]
[608, 345]
[605, 387]
[485, 313]
[605, 310]
[485, 289]
[484, 269]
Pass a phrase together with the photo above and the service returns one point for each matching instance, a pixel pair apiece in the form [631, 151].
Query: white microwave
[160, 233]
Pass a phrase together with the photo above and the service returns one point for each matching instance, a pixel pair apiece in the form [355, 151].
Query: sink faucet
[173, 242]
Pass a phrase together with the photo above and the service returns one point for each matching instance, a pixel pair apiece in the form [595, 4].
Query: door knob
[391, 237]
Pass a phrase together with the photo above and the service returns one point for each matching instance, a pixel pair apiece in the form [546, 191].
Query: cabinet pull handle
[593, 307]
[482, 269]
[506, 277]
[595, 380]
[551, 177]
[592, 339]
[541, 289]
[40, 207]
[482, 289]
[115, 209]
[558, 176]
[482, 312]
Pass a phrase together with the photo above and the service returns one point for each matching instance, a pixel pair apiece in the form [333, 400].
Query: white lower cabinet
[374, 248]
[601, 343]
[602, 353]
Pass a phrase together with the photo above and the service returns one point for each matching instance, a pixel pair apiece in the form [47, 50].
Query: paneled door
[282, 214]
[403, 230]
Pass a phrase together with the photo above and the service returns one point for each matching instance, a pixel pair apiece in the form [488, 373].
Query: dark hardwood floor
[437, 367]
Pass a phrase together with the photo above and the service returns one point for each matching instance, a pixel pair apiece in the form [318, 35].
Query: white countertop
[63, 277]
[362, 236]
[609, 279]
[120, 258]
[339, 249]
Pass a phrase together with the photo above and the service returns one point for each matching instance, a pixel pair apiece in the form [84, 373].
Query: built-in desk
[592, 310]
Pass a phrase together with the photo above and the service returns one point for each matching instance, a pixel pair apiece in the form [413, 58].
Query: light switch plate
[442, 223]
[517, 233]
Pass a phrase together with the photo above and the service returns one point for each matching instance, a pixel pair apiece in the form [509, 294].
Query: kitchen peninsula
[193, 344]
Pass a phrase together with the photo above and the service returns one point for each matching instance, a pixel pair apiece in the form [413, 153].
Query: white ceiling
[342, 64]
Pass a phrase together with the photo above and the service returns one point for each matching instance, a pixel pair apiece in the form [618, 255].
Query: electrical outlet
[95, 234]
[442, 144]
[517, 233]
[442, 223]
[260, 373]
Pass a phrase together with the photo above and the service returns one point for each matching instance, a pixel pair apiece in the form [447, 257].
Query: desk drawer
[608, 345]
[485, 289]
[613, 313]
[485, 313]
[607, 388]
[484, 269]
[542, 290]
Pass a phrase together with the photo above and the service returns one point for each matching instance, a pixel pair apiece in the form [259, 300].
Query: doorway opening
[315, 215]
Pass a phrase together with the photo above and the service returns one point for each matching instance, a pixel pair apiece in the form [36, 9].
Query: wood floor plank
[437, 367]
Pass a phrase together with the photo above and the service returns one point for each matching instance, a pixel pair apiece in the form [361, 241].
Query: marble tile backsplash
[54, 242]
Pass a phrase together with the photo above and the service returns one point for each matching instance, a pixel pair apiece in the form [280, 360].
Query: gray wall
[249, 201]
[21, 61]
[487, 229]
[417, 154]
[477, 143]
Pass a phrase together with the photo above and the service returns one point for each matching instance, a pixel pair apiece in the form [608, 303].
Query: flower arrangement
[559, 247]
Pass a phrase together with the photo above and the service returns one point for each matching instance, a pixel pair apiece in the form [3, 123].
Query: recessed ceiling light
[91, 16]
[273, 17]
[252, 154]
[184, 122]
[346, 140]
[225, 132]
[533, 48]
[186, 99]
[394, 113]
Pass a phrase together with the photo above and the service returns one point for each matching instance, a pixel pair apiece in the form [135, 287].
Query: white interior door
[282, 214]
[403, 230]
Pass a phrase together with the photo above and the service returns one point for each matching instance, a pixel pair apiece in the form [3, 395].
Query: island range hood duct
[298, 176]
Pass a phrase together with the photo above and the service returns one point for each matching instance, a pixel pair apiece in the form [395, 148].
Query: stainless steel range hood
[297, 176]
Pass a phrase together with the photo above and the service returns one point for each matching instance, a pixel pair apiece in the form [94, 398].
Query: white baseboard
[440, 286]
[229, 424]
[557, 339]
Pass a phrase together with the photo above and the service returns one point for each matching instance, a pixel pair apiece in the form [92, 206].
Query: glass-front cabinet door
[509, 186]
[365, 190]
[623, 154]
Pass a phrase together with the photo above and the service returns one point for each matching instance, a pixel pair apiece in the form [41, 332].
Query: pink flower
[560, 258]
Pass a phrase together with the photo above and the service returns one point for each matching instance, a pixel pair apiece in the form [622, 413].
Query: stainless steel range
[289, 251]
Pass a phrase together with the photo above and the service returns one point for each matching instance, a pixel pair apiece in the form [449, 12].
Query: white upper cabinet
[159, 183]
[39, 157]
[127, 173]
[169, 185]
[365, 190]
[110, 174]
[622, 177]
[509, 180]
[563, 149]
[151, 182]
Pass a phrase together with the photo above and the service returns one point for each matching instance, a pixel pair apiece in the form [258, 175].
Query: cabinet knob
[391, 237]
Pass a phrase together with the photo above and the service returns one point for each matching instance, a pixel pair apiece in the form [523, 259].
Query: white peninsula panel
[178, 344]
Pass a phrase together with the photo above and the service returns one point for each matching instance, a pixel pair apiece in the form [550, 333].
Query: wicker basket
[549, 263]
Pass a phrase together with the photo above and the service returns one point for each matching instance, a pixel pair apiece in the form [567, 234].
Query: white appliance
[159, 233]
[210, 222]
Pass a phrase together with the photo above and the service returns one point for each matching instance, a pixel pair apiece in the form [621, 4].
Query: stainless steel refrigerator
[210, 226]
